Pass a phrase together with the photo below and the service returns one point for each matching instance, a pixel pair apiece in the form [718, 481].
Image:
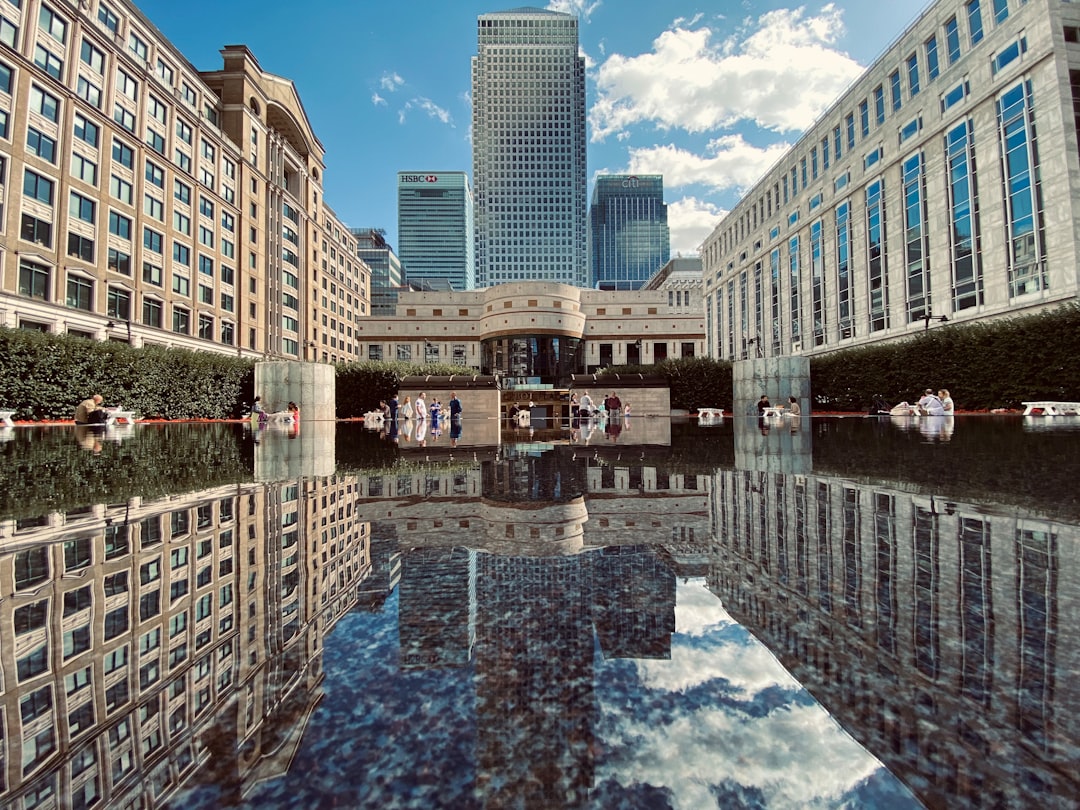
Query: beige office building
[161, 204]
[943, 184]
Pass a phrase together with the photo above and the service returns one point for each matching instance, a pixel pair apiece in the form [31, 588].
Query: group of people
[929, 404]
[791, 408]
[584, 406]
[420, 410]
[291, 414]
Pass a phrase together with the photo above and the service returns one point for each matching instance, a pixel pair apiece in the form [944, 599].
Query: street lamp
[931, 317]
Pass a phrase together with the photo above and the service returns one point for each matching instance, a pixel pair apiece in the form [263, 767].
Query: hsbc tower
[435, 229]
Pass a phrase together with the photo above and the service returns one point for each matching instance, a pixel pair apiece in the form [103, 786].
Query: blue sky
[707, 94]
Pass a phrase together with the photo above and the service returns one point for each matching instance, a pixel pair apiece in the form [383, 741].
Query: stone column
[312, 386]
[776, 377]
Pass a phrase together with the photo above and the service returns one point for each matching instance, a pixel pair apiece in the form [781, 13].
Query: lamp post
[931, 317]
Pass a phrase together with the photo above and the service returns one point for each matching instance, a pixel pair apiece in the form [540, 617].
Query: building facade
[538, 333]
[681, 279]
[528, 95]
[942, 185]
[162, 204]
[629, 238]
[435, 228]
[384, 268]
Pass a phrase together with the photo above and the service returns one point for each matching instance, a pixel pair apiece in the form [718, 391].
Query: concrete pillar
[312, 386]
[776, 377]
[286, 452]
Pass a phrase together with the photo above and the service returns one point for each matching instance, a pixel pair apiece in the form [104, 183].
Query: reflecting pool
[830, 612]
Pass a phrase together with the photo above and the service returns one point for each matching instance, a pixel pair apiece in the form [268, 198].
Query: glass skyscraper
[528, 93]
[387, 277]
[435, 229]
[628, 231]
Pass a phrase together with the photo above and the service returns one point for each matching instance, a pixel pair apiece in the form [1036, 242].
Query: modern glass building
[628, 231]
[435, 228]
[528, 94]
[943, 184]
[386, 275]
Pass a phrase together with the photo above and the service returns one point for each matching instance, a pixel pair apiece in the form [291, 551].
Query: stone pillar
[286, 452]
[776, 377]
[312, 386]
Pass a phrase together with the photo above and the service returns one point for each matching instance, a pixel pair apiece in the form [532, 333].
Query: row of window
[884, 99]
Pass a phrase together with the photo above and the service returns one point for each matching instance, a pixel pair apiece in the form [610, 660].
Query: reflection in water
[527, 626]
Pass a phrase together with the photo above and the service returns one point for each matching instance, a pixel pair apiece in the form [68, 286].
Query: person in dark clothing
[455, 406]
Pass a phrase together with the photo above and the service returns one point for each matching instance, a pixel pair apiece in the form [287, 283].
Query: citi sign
[630, 182]
[419, 178]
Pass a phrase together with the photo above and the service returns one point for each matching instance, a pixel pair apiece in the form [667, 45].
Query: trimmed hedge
[693, 380]
[998, 364]
[44, 376]
[360, 385]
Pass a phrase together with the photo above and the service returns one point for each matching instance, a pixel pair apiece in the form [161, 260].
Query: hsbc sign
[419, 178]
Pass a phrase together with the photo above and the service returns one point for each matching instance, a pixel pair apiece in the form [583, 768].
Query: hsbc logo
[419, 178]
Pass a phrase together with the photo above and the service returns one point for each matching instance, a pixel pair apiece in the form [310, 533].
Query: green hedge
[694, 381]
[44, 376]
[998, 364]
[362, 384]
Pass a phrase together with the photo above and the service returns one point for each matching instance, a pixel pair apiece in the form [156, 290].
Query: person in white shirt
[585, 405]
[930, 405]
[420, 408]
[946, 401]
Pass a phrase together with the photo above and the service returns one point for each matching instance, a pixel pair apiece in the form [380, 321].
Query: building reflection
[928, 628]
[153, 640]
[152, 645]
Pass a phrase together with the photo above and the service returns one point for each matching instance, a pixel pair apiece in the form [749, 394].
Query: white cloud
[781, 73]
[729, 163]
[391, 81]
[377, 100]
[690, 220]
[582, 9]
[428, 106]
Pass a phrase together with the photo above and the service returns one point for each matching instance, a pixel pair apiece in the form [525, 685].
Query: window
[183, 131]
[227, 333]
[151, 312]
[1001, 11]
[6, 78]
[37, 187]
[81, 207]
[872, 158]
[183, 161]
[125, 85]
[153, 241]
[108, 18]
[119, 225]
[119, 261]
[181, 323]
[206, 327]
[206, 208]
[40, 144]
[206, 295]
[33, 282]
[155, 175]
[31, 617]
[52, 24]
[81, 247]
[228, 304]
[156, 141]
[227, 278]
[879, 104]
[206, 266]
[894, 87]
[44, 104]
[124, 118]
[181, 254]
[152, 274]
[86, 131]
[9, 32]
[952, 40]
[123, 154]
[164, 72]
[975, 26]
[84, 169]
[181, 285]
[932, 66]
[48, 61]
[206, 236]
[121, 189]
[1007, 55]
[36, 230]
[913, 74]
[153, 207]
[954, 96]
[182, 192]
[119, 304]
[137, 47]
[80, 292]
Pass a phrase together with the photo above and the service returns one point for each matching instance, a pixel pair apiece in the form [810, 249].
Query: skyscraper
[628, 231]
[387, 276]
[528, 92]
[435, 229]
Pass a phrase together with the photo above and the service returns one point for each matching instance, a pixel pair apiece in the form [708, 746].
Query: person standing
[455, 406]
[407, 409]
[585, 406]
[392, 409]
[421, 408]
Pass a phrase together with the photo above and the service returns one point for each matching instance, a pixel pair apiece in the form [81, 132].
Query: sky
[708, 94]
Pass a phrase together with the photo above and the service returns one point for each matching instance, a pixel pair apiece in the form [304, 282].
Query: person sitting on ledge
[90, 412]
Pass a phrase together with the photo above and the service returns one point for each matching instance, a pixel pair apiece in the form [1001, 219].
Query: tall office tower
[435, 229]
[387, 277]
[628, 231]
[528, 92]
